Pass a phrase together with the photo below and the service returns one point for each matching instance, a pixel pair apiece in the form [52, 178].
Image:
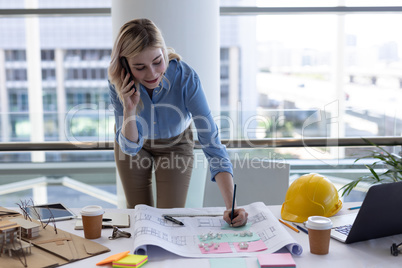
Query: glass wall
[307, 75]
[69, 94]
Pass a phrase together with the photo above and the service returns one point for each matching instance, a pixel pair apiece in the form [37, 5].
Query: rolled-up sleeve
[126, 146]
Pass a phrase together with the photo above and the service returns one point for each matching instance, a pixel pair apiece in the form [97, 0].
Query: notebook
[131, 260]
[378, 216]
[283, 260]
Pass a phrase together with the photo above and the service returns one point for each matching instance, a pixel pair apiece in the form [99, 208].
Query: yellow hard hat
[310, 195]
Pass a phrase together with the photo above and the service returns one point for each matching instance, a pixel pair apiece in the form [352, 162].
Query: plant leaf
[374, 173]
[392, 162]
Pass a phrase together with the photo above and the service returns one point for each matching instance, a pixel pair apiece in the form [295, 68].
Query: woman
[153, 113]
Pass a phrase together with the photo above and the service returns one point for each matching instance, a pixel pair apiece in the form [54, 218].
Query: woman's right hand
[130, 96]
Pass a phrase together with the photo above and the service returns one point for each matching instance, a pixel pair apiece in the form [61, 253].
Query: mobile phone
[124, 63]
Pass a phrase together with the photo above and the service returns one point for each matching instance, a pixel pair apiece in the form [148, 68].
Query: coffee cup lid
[92, 210]
[319, 223]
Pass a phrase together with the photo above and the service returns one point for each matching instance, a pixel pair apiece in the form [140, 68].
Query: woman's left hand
[239, 218]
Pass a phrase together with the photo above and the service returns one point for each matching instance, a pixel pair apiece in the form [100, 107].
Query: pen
[290, 226]
[300, 228]
[352, 208]
[195, 215]
[233, 204]
[170, 218]
[103, 219]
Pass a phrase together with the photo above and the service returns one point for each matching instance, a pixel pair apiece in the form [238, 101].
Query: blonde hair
[135, 36]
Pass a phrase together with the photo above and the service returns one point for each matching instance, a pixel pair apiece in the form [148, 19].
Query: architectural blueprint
[150, 228]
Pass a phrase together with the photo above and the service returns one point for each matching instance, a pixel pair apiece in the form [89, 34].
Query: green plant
[392, 162]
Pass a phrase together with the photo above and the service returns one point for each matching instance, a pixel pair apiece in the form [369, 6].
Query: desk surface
[371, 253]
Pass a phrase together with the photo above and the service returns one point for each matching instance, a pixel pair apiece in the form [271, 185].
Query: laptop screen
[379, 215]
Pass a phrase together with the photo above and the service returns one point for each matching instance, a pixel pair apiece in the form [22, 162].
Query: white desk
[372, 253]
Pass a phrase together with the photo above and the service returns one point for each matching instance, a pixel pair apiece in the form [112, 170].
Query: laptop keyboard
[345, 229]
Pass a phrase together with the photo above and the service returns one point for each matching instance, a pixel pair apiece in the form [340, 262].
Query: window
[77, 74]
[16, 74]
[47, 55]
[49, 74]
[49, 100]
[295, 65]
[15, 55]
[18, 100]
[95, 74]
[72, 55]
[224, 54]
[51, 127]
[224, 72]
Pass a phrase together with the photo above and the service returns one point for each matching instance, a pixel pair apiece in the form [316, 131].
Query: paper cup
[319, 234]
[92, 221]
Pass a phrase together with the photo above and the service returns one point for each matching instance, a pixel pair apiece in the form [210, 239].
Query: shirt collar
[170, 73]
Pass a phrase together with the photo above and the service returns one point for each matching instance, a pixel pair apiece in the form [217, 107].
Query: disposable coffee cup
[92, 221]
[319, 234]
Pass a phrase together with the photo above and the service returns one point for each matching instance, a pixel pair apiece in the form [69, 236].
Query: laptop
[379, 216]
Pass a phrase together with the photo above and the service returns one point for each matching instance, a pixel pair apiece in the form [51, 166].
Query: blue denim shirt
[170, 111]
